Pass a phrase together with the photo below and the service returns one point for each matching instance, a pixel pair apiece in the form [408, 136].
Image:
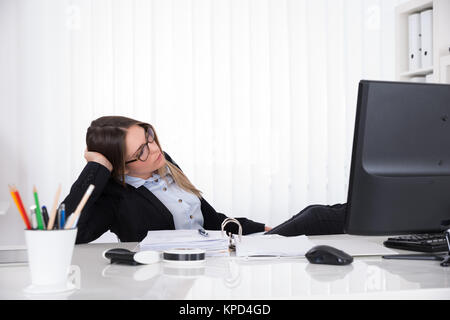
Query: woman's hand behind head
[99, 158]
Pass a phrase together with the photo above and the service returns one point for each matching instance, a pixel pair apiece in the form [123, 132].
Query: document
[212, 242]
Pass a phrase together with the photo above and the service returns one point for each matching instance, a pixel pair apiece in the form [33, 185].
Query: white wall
[255, 99]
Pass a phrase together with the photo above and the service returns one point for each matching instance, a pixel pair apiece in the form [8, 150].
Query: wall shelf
[418, 73]
[441, 39]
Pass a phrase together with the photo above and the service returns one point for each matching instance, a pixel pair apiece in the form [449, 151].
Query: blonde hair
[180, 178]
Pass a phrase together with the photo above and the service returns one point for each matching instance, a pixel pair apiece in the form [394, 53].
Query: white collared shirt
[184, 206]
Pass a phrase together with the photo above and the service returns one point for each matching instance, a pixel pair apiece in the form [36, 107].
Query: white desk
[368, 277]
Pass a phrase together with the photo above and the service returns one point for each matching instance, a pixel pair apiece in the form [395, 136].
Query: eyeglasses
[144, 150]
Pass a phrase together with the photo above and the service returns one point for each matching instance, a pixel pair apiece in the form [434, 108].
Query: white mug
[49, 259]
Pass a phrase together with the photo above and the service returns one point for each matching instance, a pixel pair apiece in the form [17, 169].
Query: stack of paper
[273, 245]
[214, 244]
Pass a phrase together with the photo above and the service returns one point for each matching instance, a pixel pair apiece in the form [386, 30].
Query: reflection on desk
[231, 278]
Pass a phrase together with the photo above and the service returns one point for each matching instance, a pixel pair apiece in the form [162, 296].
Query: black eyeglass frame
[150, 137]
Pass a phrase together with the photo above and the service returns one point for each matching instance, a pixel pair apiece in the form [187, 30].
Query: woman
[138, 187]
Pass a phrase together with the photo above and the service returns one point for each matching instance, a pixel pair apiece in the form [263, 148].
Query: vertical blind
[254, 99]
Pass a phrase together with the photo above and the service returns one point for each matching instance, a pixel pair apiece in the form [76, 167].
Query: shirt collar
[155, 178]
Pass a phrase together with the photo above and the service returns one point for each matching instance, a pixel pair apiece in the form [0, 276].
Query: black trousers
[314, 220]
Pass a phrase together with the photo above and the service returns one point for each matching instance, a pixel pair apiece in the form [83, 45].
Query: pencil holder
[49, 257]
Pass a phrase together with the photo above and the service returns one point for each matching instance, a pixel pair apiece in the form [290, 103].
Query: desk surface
[368, 277]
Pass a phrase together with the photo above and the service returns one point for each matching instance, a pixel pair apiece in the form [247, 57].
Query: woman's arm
[213, 221]
[98, 213]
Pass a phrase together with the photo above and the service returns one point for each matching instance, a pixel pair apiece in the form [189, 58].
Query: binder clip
[232, 241]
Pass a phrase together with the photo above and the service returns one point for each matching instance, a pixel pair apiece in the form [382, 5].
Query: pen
[62, 216]
[40, 223]
[33, 217]
[45, 216]
[58, 225]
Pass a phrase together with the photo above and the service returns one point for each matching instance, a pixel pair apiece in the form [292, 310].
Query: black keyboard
[429, 242]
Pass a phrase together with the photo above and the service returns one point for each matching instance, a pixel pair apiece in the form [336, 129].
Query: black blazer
[131, 212]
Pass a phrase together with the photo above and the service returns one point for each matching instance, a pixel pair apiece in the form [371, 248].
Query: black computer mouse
[120, 255]
[328, 255]
[108, 254]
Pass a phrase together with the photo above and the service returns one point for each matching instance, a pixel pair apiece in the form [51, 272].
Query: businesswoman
[139, 187]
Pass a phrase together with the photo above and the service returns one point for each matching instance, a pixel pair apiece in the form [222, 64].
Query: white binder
[426, 18]
[414, 30]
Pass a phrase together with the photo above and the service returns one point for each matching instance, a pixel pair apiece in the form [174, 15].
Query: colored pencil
[54, 209]
[74, 217]
[40, 220]
[18, 201]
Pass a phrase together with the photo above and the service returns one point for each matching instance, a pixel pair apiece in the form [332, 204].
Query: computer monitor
[400, 170]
